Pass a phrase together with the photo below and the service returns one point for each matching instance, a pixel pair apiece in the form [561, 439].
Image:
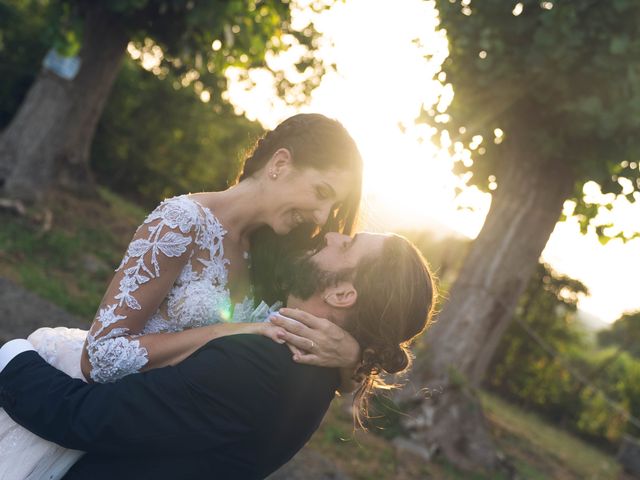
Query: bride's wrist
[223, 329]
[252, 328]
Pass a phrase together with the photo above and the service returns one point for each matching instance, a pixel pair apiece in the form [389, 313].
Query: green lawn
[71, 263]
[536, 449]
[528, 438]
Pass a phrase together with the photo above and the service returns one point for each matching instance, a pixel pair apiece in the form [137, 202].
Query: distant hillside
[376, 216]
[591, 322]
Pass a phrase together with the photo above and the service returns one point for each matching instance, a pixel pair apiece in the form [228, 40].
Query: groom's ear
[341, 295]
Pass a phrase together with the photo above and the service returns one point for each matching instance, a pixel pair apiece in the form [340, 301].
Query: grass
[526, 437]
[363, 455]
[71, 263]
[536, 450]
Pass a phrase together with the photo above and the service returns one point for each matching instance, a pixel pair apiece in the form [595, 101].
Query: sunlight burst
[388, 57]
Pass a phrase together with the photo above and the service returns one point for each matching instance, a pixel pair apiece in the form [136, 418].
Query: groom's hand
[319, 341]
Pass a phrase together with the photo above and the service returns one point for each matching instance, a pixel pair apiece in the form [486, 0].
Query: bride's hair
[396, 296]
[314, 141]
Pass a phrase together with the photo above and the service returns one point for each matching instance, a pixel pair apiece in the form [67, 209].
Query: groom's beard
[305, 277]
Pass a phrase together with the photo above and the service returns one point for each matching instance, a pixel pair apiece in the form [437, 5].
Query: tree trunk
[48, 141]
[460, 345]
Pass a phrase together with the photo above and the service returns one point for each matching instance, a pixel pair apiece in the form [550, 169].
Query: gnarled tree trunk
[460, 345]
[48, 141]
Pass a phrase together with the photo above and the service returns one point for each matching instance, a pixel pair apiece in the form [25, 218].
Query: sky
[388, 55]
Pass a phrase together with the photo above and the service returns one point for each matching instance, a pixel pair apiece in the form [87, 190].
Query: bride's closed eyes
[323, 192]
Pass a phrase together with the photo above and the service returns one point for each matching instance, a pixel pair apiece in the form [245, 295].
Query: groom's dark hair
[395, 301]
[396, 295]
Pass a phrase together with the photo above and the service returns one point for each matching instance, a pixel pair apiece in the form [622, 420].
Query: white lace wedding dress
[178, 249]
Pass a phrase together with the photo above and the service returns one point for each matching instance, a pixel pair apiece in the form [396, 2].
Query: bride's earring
[273, 175]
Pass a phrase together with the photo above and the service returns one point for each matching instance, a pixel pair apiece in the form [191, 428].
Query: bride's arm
[164, 349]
[159, 251]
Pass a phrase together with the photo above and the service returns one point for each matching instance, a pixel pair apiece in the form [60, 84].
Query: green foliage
[22, 48]
[184, 33]
[624, 333]
[65, 28]
[560, 79]
[521, 369]
[384, 416]
[557, 453]
[154, 141]
[525, 372]
[517, 357]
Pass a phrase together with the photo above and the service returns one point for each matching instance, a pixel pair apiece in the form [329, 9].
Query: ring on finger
[313, 344]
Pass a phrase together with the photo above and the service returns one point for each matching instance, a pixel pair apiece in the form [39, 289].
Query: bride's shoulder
[178, 212]
[190, 215]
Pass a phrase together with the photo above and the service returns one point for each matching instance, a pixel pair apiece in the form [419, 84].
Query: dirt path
[22, 312]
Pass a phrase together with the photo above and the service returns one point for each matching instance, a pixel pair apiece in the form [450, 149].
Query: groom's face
[335, 262]
[345, 252]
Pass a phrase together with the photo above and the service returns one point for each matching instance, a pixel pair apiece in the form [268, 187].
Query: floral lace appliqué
[198, 297]
[169, 228]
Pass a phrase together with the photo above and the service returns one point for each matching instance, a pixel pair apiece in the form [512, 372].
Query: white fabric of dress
[179, 250]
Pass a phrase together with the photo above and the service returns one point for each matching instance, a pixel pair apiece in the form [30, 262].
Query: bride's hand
[318, 341]
[270, 331]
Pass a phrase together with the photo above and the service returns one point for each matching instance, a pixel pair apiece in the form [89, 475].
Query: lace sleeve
[159, 250]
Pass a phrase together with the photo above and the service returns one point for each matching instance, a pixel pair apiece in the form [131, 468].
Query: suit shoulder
[247, 346]
[260, 359]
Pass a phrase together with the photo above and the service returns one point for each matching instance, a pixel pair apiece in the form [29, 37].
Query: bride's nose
[321, 215]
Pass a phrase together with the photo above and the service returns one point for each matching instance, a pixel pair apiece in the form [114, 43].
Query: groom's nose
[332, 238]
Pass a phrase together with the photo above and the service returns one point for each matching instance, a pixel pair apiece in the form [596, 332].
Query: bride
[196, 267]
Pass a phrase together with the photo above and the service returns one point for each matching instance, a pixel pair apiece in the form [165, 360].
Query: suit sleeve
[211, 399]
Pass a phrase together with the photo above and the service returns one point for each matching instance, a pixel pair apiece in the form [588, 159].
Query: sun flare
[380, 85]
[388, 56]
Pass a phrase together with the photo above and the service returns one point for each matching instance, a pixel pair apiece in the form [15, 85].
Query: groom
[238, 408]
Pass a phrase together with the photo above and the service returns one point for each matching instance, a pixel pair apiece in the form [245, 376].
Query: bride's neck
[239, 209]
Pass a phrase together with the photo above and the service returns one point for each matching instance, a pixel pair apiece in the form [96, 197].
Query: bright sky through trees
[388, 55]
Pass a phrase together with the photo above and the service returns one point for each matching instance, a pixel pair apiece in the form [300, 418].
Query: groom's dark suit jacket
[238, 408]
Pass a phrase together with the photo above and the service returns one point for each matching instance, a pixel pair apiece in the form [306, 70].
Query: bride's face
[302, 195]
